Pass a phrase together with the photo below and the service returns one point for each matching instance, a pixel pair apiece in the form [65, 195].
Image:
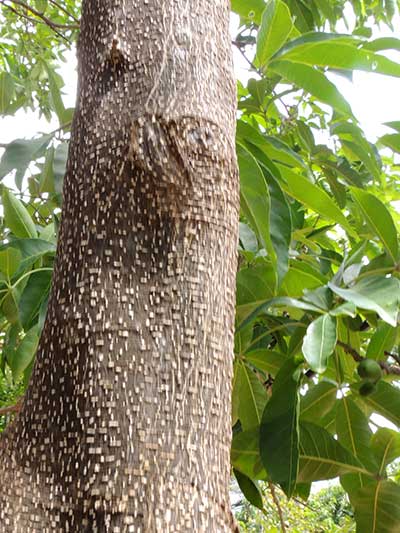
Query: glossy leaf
[9, 261]
[383, 339]
[312, 81]
[276, 25]
[21, 152]
[377, 508]
[375, 293]
[245, 454]
[318, 401]
[355, 434]
[268, 361]
[319, 342]
[255, 199]
[312, 196]
[24, 353]
[385, 401]
[338, 54]
[392, 141]
[323, 457]
[34, 294]
[7, 91]
[279, 439]
[378, 219]
[385, 444]
[252, 397]
[16, 216]
[249, 488]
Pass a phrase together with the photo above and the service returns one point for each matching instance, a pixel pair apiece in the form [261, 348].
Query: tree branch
[10, 409]
[389, 369]
[351, 351]
[278, 506]
[53, 25]
[394, 356]
[64, 10]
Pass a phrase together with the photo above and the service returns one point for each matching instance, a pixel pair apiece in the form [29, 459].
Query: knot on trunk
[176, 151]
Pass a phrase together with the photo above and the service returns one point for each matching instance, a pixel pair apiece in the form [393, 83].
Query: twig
[43, 18]
[394, 356]
[278, 506]
[351, 351]
[389, 369]
[65, 11]
[46, 19]
[246, 58]
[10, 409]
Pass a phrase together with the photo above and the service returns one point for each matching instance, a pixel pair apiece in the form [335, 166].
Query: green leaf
[385, 444]
[41, 5]
[55, 92]
[301, 276]
[9, 261]
[385, 401]
[379, 220]
[250, 9]
[250, 312]
[383, 339]
[249, 488]
[355, 434]
[34, 294]
[252, 397]
[391, 140]
[10, 306]
[33, 248]
[7, 91]
[254, 194]
[279, 439]
[60, 165]
[318, 401]
[46, 183]
[319, 342]
[274, 148]
[339, 55]
[395, 125]
[268, 361]
[312, 196]
[383, 43]
[245, 454]
[24, 353]
[21, 152]
[346, 309]
[254, 283]
[280, 225]
[375, 293]
[313, 81]
[16, 216]
[276, 25]
[247, 238]
[321, 297]
[255, 199]
[322, 456]
[377, 508]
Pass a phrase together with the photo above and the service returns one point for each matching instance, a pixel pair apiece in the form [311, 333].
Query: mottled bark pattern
[126, 423]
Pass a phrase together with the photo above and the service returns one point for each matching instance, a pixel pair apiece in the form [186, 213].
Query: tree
[125, 423]
[316, 336]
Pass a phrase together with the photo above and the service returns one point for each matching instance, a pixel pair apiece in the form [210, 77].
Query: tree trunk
[125, 426]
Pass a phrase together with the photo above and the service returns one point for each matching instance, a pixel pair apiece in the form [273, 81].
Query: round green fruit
[369, 369]
[367, 388]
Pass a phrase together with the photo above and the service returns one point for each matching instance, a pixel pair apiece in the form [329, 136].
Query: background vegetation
[318, 280]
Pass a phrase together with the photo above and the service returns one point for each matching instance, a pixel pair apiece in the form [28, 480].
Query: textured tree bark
[125, 426]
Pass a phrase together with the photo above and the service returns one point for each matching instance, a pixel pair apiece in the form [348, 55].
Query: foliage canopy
[318, 280]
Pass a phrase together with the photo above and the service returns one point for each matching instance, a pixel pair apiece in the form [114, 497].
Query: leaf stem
[29, 273]
[278, 506]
